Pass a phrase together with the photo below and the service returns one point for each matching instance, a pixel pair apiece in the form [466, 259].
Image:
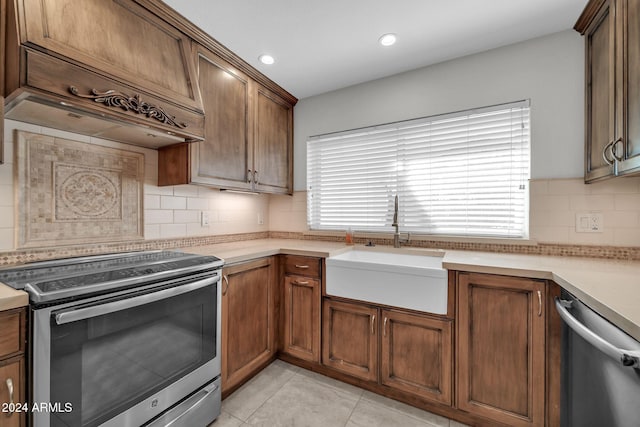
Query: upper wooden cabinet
[116, 37]
[501, 348]
[273, 161]
[225, 156]
[612, 90]
[123, 71]
[248, 134]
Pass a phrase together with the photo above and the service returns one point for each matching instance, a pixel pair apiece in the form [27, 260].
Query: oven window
[104, 365]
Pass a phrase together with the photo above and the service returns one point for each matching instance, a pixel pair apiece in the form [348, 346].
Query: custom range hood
[118, 69]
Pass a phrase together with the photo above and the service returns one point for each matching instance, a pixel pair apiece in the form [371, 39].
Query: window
[462, 174]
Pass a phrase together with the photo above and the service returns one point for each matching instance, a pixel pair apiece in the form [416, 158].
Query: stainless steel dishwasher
[600, 369]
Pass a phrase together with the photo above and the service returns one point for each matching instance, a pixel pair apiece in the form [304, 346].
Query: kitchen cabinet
[12, 365]
[248, 320]
[248, 134]
[612, 91]
[350, 339]
[301, 331]
[120, 59]
[416, 355]
[501, 348]
[413, 351]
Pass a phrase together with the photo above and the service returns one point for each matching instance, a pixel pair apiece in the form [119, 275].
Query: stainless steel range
[123, 340]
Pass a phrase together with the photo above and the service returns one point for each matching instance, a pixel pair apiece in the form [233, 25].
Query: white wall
[548, 70]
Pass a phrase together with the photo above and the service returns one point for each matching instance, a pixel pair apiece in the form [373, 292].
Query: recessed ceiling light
[266, 59]
[387, 39]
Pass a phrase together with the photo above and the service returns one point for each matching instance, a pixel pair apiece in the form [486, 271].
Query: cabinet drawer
[302, 265]
[10, 335]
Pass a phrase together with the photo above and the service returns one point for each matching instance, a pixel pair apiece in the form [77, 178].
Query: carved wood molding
[134, 103]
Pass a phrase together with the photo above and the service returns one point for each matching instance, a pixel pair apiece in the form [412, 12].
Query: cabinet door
[273, 162]
[416, 355]
[248, 320]
[302, 317]
[600, 82]
[224, 158]
[501, 348]
[115, 37]
[12, 371]
[350, 339]
[628, 28]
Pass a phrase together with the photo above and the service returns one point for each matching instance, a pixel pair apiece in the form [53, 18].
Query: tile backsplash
[175, 211]
[172, 211]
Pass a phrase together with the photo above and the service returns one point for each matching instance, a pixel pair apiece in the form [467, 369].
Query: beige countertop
[10, 298]
[612, 288]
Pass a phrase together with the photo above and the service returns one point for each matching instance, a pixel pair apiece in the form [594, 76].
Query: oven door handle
[75, 315]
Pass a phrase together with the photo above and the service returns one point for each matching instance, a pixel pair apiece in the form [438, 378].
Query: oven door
[125, 358]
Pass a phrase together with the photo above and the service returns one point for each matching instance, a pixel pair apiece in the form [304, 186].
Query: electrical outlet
[589, 222]
[204, 219]
[260, 218]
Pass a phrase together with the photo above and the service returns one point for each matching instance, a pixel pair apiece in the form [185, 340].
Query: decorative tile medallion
[70, 192]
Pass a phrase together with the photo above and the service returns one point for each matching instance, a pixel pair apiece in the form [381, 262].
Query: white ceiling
[323, 45]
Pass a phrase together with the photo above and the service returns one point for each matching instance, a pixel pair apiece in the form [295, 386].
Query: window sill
[424, 237]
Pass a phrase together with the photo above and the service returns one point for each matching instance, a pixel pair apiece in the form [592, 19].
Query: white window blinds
[464, 174]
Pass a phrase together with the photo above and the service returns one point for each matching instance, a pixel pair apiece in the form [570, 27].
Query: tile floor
[285, 395]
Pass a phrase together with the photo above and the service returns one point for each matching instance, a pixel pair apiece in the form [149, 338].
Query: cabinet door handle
[614, 150]
[373, 321]
[384, 326]
[10, 388]
[300, 282]
[255, 177]
[226, 288]
[249, 175]
[539, 303]
[302, 266]
[608, 150]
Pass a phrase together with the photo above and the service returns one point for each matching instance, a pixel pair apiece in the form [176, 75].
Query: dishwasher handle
[626, 357]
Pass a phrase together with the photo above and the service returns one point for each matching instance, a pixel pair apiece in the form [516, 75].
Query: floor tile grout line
[353, 410]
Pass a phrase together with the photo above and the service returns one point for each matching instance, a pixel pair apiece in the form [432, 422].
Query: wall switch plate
[204, 219]
[589, 222]
[260, 218]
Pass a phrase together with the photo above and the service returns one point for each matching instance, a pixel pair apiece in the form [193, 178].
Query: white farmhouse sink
[396, 278]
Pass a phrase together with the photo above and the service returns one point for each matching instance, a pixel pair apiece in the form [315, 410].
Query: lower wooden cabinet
[12, 391]
[302, 317]
[350, 339]
[248, 320]
[501, 348]
[12, 366]
[416, 355]
[409, 352]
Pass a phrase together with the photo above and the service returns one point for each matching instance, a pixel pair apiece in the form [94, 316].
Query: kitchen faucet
[396, 235]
